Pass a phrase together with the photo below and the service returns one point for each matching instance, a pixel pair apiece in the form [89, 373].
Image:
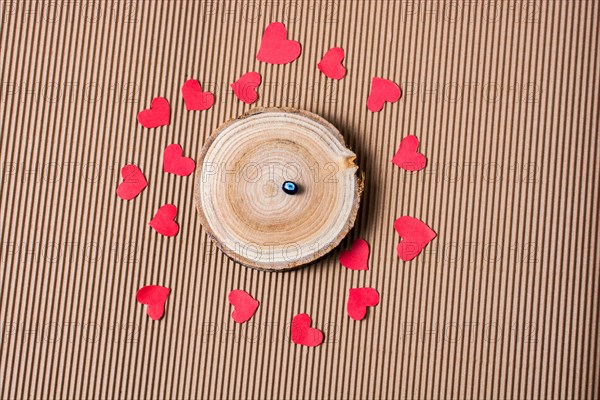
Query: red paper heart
[245, 87]
[415, 236]
[244, 305]
[194, 98]
[164, 220]
[357, 257]
[275, 48]
[407, 156]
[154, 297]
[303, 334]
[382, 90]
[133, 183]
[358, 301]
[175, 163]
[158, 114]
[331, 63]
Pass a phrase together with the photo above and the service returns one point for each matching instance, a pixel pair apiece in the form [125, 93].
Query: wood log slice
[239, 195]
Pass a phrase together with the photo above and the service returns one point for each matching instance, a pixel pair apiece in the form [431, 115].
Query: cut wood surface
[239, 195]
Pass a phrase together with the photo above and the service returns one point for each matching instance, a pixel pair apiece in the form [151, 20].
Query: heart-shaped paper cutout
[331, 63]
[245, 87]
[275, 48]
[303, 334]
[194, 98]
[407, 156]
[415, 236]
[159, 114]
[357, 257]
[154, 297]
[164, 220]
[382, 90]
[358, 301]
[133, 183]
[244, 305]
[175, 163]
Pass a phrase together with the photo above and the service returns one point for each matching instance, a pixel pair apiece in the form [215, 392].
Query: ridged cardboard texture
[503, 96]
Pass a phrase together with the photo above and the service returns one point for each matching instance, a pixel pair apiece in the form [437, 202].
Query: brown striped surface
[503, 304]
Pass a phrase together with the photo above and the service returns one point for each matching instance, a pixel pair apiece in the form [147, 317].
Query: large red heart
[303, 334]
[357, 257]
[244, 305]
[133, 183]
[245, 87]
[175, 163]
[382, 90]
[415, 236]
[159, 114]
[275, 48]
[164, 220]
[407, 156]
[358, 301]
[331, 63]
[154, 297]
[194, 98]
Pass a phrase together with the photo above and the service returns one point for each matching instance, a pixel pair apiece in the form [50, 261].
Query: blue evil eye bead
[290, 187]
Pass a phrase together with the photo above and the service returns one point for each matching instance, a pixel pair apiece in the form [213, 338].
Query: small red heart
[407, 156]
[303, 334]
[154, 297]
[194, 98]
[175, 163]
[382, 90]
[331, 63]
[244, 305]
[164, 220]
[357, 257]
[358, 301]
[133, 183]
[245, 87]
[159, 114]
[275, 48]
[415, 235]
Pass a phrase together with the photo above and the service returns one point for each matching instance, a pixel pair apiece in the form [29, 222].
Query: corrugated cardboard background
[504, 97]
